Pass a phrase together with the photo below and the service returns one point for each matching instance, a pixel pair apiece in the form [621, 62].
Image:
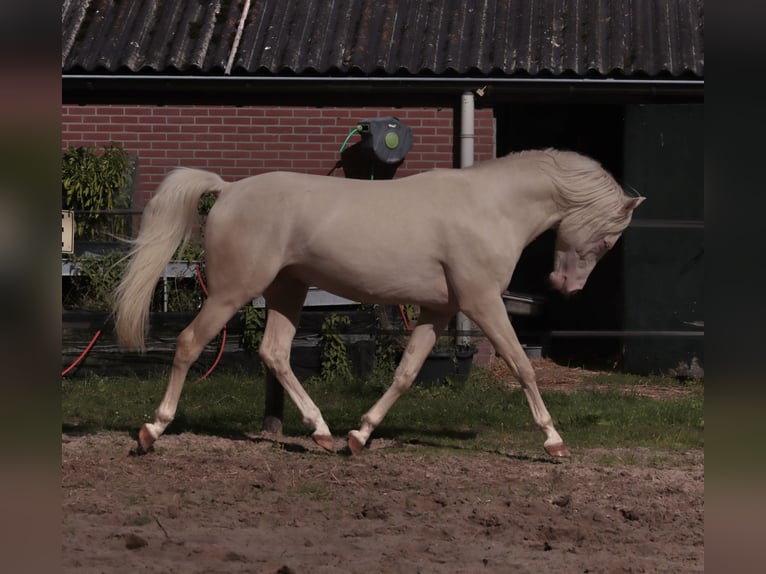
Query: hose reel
[381, 150]
[386, 138]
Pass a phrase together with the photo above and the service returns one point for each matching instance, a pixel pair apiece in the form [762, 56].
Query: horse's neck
[546, 215]
[527, 205]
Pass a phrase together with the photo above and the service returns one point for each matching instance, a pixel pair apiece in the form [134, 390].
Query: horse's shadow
[389, 439]
[393, 433]
[386, 439]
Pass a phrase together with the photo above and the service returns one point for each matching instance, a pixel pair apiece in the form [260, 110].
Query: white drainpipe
[466, 130]
[463, 323]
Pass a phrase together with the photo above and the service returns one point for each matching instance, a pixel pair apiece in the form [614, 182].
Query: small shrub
[94, 281]
[334, 355]
[254, 319]
[97, 180]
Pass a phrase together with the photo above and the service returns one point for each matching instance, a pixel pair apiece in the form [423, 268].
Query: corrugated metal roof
[538, 38]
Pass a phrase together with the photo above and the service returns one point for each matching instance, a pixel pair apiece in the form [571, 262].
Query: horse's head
[582, 241]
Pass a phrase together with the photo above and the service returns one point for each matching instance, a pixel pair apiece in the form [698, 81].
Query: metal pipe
[466, 129]
[467, 132]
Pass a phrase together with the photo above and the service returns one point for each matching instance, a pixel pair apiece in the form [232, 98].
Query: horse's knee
[276, 359]
[404, 376]
[527, 375]
[186, 353]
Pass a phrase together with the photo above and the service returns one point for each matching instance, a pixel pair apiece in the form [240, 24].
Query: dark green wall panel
[664, 249]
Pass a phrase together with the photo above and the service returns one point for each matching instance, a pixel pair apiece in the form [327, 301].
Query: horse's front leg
[419, 345]
[492, 318]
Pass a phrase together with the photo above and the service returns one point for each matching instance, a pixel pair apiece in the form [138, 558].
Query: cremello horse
[446, 239]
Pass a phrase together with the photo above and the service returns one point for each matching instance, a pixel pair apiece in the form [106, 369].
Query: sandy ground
[210, 504]
[203, 504]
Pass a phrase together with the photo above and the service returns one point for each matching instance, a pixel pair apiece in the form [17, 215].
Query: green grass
[475, 415]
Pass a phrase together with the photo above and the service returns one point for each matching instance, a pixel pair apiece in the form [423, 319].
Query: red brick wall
[237, 142]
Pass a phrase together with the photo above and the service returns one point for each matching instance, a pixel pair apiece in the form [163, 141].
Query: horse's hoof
[325, 441]
[145, 441]
[558, 450]
[355, 443]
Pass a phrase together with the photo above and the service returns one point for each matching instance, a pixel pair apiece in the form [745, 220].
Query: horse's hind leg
[492, 318]
[421, 342]
[190, 343]
[284, 301]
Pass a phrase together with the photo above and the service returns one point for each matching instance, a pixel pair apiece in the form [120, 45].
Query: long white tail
[168, 220]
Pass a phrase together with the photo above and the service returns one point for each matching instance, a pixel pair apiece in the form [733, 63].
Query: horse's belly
[355, 249]
[373, 281]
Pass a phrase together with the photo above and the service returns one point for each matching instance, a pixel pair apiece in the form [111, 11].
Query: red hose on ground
[217, 359]
[82, 355]
[404, 318]
[79, 359]
[201, 280]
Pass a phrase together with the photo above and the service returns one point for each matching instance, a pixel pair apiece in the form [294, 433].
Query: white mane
[589, 197]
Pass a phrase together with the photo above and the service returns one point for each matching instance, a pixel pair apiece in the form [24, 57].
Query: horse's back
[352, 237]
[313, 199]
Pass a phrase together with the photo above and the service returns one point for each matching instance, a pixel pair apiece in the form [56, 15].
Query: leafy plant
[255, 323]
[206, 203]
[97, 180]
[411, 312]
[385, 361]
[94, 280]
[96, 276]
[334, 355]
[183, 294]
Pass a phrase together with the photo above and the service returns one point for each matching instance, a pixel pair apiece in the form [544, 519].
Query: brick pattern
[238, 142]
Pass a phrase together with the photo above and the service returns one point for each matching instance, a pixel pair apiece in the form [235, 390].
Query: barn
[244, 87]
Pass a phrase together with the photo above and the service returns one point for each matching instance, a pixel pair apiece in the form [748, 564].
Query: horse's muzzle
[562, 283]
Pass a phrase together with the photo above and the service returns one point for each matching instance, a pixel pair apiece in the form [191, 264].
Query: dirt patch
[554, 377]
[209, 504]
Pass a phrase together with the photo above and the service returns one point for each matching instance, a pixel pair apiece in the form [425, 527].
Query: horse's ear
[632, 203]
